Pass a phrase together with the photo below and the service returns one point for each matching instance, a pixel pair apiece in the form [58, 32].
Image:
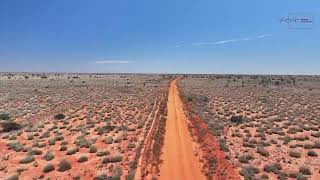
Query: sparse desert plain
[262, 127]
[69, 126]
[139, 126]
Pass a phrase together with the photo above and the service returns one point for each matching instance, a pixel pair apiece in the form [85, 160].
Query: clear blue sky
[168, 36]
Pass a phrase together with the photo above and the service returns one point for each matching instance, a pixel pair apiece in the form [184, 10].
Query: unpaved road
[179, 160]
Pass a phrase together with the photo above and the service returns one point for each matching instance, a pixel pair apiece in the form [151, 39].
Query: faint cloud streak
[114, 62]
[230, 40]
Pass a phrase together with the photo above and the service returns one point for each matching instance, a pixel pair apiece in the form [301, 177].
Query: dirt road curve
[179, 161]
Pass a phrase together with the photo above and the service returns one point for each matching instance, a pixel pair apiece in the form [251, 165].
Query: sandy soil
[179, 160]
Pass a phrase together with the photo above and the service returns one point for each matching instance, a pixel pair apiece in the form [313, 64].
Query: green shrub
[305, 170]
[131, 145]
[59, 116]
[102, 153]
[295, 154]
[93, 149]
[63, 148]
[4, 116]
[248, 172]
[27, 160]
[263, 151]
[13, 177]
[274, 167]
[116, 158]
[83, 159]
[312, 153]
[101, 177]
[308, 146]
[64, 165]
[10, 126]
[49, 156]
[72, 151]
[16, 146]
[51, 142]
[109, 140]
[49, 167]
[245, 158]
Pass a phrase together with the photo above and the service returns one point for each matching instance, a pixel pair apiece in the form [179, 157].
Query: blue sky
[163, 36]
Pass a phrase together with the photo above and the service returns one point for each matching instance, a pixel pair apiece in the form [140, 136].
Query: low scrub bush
[245, 158]
[49, 156]
[49, 167]
[305, 170]
[82, 159]
[312, 153]
[64, 165]
[263, 151]
[27, 160]
[248, 172]
[295, 154]
[59, 116]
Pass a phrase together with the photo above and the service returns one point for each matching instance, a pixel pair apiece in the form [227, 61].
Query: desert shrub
[245, 158]
[130, 176]
[273, 141]
[64, 165]
[133, 164]
[51, 142]
[10, 126]
[117, 140]
[248, 172]
[116, 158]
[264, 176]
[315, 134]
[59, 116]
[316, 144]
[72, 151]
[312, 153]
[274, 167]
[13, 177]
[63, 148]
[82, 142]
[286, 139]
[49, 167]
[59, 138]
[109, 140]
[49, 156]
[308, 146]
[27, 160]
[102, 153]
[30, 137]
[304, 170]
[223, 145]
[131, 145]
[16, 146]
[93, 149]
[4, 116]
[64, 142]
[295, 154]
[263, 151]
[41, 145]
[83, 158]
[32, 152]
[101, 177]
[247, 144]
[13, 137]
[117, 171]
[105, 160]
[236, 119]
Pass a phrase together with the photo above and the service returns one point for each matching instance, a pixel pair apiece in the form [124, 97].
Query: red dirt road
[179, 160]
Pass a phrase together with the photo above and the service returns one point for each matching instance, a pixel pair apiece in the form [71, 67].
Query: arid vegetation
[84, 125]
[266, 126]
